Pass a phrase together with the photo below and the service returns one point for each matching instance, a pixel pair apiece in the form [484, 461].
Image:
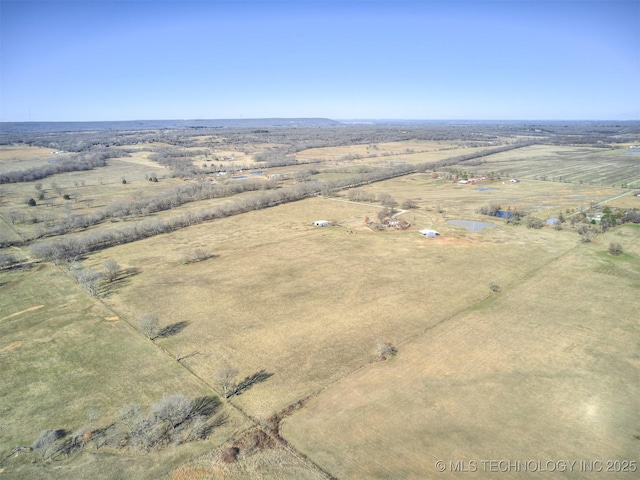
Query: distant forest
[301, 134]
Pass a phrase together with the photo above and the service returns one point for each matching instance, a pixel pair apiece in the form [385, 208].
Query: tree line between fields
[173, 420]
[68, 248]
[301, 137]
[285, 141]
[62, 164]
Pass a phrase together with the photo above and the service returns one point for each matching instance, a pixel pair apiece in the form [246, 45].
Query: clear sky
[511, 60]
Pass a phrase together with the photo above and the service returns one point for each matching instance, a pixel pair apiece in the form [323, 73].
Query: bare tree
[148, 325]
[88, 278]
[92, 416]
[387, 200]
[409, 204]
[16, 216]
[44, 442]
[111, 269]
[225, 379]
[172, 409]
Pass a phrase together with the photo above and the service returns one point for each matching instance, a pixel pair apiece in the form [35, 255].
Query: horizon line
[353, 119]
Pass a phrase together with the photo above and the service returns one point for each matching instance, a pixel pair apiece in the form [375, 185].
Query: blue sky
[511, 60]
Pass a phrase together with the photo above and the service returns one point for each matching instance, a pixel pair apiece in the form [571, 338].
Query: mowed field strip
[546, 370]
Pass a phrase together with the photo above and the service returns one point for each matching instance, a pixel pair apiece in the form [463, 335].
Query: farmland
[515, 342]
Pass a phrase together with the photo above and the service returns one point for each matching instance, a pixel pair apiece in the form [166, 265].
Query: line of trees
[71, 163]
[175, 419]
[70, 247]
[54, 226]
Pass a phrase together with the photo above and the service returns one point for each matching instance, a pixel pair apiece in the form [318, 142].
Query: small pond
[259, 172]
[471, 225]
[484, 189]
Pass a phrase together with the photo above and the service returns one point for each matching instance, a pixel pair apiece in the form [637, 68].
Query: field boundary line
[448, 318]
[253, 422]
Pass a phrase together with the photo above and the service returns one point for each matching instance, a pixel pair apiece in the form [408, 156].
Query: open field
[546, 370]
[512, 342]
[312, 302]
[17, 157]
[582, 165]
[64, 354]
[544, 199]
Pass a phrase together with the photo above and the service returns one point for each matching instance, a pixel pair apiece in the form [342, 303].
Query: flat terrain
[580, 165]
[544, 368]
[63, 355]
[312, 301]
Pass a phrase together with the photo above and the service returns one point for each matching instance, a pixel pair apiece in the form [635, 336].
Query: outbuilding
[321, 223]
[425, 232]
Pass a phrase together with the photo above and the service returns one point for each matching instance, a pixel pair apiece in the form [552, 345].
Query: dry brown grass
[18, 157]
[546, 370]
[307, 304]
[270, 463]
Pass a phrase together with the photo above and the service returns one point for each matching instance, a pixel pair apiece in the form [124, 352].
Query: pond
[471, 225]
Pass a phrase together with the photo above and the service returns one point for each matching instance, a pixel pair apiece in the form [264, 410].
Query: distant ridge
[44, 127]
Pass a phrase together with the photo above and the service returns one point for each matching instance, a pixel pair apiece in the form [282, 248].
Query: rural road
[399, 212]
[604, 201]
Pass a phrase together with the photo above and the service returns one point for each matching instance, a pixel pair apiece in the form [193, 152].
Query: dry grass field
[579, 165]
[64, 354]
[441, 200]
[18, 157]
[546, 370]
[311, 302]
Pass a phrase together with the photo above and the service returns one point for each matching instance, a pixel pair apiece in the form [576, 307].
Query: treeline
[300, 138]
[148, 205]
[174, 420]
[179, 160]
[83, 161]
[277, 157]
[69, 248]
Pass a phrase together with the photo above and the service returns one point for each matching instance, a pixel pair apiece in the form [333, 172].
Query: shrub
[534, 222]
[615, 248]
[229, 455]
[409, 204]
[386, 349]
[31, 202]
